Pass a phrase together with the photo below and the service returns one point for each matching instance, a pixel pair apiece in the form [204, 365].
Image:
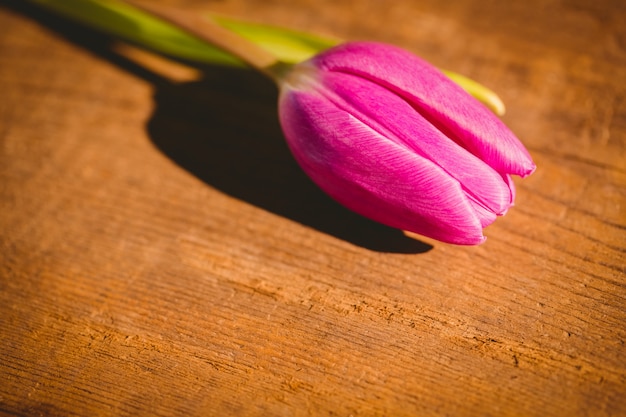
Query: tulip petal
[373, 175]
[438, 98]
[394, 118]
[485, 216]
[511, 185]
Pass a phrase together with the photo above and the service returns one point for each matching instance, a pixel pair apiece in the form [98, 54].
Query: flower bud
[392, 138]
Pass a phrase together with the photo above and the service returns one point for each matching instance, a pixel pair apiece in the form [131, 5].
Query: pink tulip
[390, 137]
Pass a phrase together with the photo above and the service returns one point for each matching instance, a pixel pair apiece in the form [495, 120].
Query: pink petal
[511, 185]
[440, 100]
[373, 175]
[485, 216]
[394, 118]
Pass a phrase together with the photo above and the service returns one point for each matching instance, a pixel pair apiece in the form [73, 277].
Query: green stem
[267, 48]
[208, 31]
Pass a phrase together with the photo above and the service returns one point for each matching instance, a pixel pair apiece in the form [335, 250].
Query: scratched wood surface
[161, 253]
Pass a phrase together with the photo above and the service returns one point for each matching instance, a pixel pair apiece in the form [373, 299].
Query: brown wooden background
[161, 253]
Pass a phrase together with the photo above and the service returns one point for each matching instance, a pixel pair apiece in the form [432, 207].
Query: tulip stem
[206, 30]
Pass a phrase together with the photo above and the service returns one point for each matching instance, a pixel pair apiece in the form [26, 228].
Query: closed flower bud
[392, 138]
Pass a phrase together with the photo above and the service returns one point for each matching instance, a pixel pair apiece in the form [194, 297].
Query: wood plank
[162, 254]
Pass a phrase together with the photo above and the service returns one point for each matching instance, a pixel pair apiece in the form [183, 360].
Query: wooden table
[162, 254]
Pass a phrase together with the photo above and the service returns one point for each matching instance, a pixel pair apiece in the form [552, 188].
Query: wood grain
[162, 254]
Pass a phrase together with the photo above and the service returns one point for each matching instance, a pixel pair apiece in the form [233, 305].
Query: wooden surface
[162, 254]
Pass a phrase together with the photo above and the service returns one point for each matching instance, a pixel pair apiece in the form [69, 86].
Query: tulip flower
[377, 128]
[390, 137]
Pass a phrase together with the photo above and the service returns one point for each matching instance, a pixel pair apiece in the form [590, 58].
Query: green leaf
[289, 46]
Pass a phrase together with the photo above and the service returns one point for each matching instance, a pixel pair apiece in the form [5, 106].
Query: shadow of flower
[224, 129]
